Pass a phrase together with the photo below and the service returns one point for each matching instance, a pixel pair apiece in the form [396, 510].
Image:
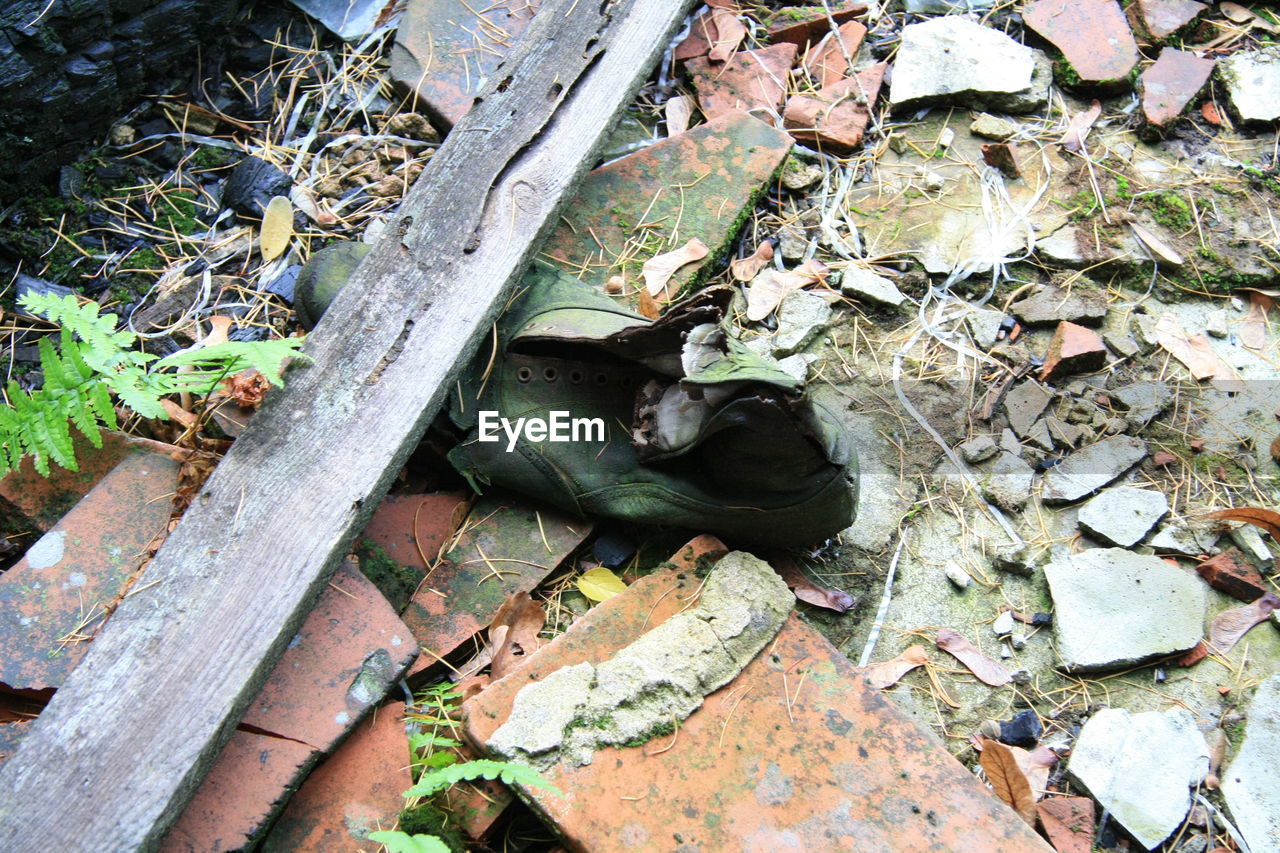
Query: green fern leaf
[55, 378]
[511, 774]
[100, 400]
[267, 357]
[402, 842]
[83, 321]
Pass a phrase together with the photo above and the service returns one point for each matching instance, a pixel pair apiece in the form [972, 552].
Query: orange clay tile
[56, 596]
[357, 790]
[750, 79]
[795, 753]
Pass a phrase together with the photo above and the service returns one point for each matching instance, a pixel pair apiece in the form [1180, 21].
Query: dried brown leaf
[1240, 15]
[1078, 129]
[813, 593]
[770, 287]
[1230, 625]
[277, 228]
[1253, 331]
[1193, 351]
[678, 110]
[1035, 765]
[745, 269]
[657, 271]
[729, 32]
[1267, 519]
[1163, 252]
[987, 670]
[1008, 780]
[1068, 823]
[648, 306]
[890, 672]
[521, 617]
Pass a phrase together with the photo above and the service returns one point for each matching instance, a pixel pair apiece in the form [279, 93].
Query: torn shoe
[672, 421]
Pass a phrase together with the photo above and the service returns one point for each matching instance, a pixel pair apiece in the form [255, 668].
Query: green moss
[176, 212]
[659, 730]
[1082, 205]
[426, 819]
[1170, 210]
[209, 157]
[1124, 191]
[395, 581]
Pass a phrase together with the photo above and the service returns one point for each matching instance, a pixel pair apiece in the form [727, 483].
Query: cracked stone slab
[1122, 515]
[1251, 785]
[1253, 83]
[722, 165]
[1140, 767]
[660, 679]
[1090, 468]
[751, 769]
[446, 50]
[55, 597]
[1047, 305]
[1024, 404]
[1114, 608]
[1093, 35]
[954, 60]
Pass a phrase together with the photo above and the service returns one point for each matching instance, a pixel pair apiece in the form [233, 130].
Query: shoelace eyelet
[524, 374]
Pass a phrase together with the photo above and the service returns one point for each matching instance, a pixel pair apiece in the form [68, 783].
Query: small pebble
[1003, 625]
[614, 284]
[956, 575]
[1019, 641]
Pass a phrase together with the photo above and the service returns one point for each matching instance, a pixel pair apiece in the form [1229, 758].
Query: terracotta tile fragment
[1163, 18]
[794, 753]
[1073, 349]
[403, 538]
[702, 34]
[57, 592]
[1232, 573]
[829, 61]
[1174, 81]
[445, 50]
[836, 117]
[1094, 38]
[357, 790]
[1211, 114]
[749, 80]
[801, 26]
[234, 803]
[349, 651]
[1068, 821]
[41, 501]
[503, 552]
[720, 165]
[1002, 156]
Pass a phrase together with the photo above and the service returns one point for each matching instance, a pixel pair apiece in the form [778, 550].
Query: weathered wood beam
[115, 756]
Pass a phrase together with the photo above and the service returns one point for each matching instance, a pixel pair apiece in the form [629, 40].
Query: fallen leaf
[1078, 129]
[179, 414]
[1008, 780]
[745, 269]
[1198, 652]
[1161, 250]
[1193, 351]
[1068, 823]
[1229, 626]
[523, 617]
[1035, 765]
[810, 592]
[657, 271]
[1253, 331]
[648, 306]
[730, 32]
[277, 228]
[678, 110]
[987, 670]
[1240, 15]
[1267, 519]
[890, 672]
[770, 287]
[600, 584]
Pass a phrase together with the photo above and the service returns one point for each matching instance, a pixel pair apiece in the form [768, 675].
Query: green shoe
[671, 421]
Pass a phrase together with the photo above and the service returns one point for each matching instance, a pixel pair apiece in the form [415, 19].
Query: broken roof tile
[803, 25]
[696, 184]
[1094, 38]
[42, 501]
[1162, 18]
[750, 79]
[796, 750]
[241, 792]
[829, 61]
[57, 595]
[403, 538]
[349, 651]
[357, 790]
[505, 547]
[836, 117]
[1174, 81]
[445, 50]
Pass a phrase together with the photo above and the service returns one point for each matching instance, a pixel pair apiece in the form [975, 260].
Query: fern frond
[82, 321]
[267, 357]
[483, 768]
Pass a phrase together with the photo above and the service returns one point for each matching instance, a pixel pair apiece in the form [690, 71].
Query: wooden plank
[117, 753]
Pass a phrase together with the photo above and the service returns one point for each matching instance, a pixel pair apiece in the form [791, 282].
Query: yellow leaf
[277, 227]
[600, 584]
